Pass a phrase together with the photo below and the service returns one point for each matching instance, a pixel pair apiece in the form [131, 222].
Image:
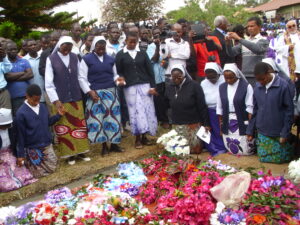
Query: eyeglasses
[294, 25]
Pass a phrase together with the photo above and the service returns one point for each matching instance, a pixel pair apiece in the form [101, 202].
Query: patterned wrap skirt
[71, 131]
[234, 142]
[189, 132]
[12, 177]
[104, 117]
[269, 150]
[141, 109]
[41, 162]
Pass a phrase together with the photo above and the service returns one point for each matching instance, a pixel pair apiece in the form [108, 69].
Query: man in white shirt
[285, 48]
[77, 42]
[176, 50]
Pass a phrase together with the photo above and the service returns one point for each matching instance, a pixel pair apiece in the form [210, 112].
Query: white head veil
[182, 69]
[213, 66]
[62, 40]
[95, 40]
[233, 68]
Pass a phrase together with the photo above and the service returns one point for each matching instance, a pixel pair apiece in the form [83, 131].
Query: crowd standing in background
[240, 83]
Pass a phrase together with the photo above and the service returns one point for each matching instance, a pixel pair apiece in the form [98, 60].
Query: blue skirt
[103, 118]
[216, 145]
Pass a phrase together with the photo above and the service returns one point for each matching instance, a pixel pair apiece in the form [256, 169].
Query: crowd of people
[76, 89]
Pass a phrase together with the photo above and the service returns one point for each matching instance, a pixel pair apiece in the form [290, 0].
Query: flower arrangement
[174, 143]
[294, 171]
[180, 189]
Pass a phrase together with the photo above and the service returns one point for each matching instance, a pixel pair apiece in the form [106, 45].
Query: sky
[90, 9]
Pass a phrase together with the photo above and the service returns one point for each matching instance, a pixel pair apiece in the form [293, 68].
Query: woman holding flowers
[214, 78]
[234, 108]
[187, 102]
[272, 116]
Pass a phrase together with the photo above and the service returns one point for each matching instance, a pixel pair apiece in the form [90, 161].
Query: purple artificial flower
[233, 145]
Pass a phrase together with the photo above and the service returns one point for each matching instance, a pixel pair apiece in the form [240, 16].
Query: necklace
[178, 90]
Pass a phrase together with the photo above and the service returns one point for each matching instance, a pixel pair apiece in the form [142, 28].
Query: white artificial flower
[72, 222]
[172, 133]
[131, 221]
[294, 171]
[5, 212]
[186, 150]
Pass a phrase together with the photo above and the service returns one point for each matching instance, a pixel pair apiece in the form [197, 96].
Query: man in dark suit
[221, 24]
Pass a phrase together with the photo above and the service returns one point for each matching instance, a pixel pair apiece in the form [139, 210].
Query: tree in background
[192, 12]
[29, 14]
[130, 11]
[18, 18]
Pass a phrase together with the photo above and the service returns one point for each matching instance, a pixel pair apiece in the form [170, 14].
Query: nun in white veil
[234, 108]
[214, 78]
[63, 90]
[186, 99]
[98, 77]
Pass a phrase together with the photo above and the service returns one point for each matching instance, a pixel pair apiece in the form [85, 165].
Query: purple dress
[12, 177]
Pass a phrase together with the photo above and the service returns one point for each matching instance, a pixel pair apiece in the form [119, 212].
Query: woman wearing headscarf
[62, 87]
[277, 70]
[187, 102]
[210, 86]
[234, 108]
[98, 78]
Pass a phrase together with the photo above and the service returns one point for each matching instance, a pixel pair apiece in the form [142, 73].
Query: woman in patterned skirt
[272, 116]
[98, 78]
[234, 108]
[62, 87]
[187, 102]
[136, 68]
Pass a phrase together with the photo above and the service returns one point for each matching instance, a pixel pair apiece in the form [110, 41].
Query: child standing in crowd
[272, 116]
[62, 87]
[135, 66]
[234, 107]
[34, 139]
[11, 176]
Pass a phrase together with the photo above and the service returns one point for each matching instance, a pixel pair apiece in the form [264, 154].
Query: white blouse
[211, 91]
[83, 75]
[49, 76]
[231, 90]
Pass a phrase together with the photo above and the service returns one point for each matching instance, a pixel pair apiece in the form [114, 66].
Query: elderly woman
[62, 87]
[210, 86]
[97, 79]
[234, 108]
[187, 102]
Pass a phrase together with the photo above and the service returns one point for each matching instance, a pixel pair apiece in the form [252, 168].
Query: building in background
[276, 9]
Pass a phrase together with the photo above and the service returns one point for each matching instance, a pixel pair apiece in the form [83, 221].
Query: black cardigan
[189, 107]
[135, 71]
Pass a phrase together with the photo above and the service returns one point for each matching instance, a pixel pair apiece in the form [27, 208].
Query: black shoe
[104, 150]
[116, 148]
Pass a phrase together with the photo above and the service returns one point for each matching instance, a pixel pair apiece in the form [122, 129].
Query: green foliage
[9, 30]
[130, 11]
[192, 12]
[30, 14]
[85, 24]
